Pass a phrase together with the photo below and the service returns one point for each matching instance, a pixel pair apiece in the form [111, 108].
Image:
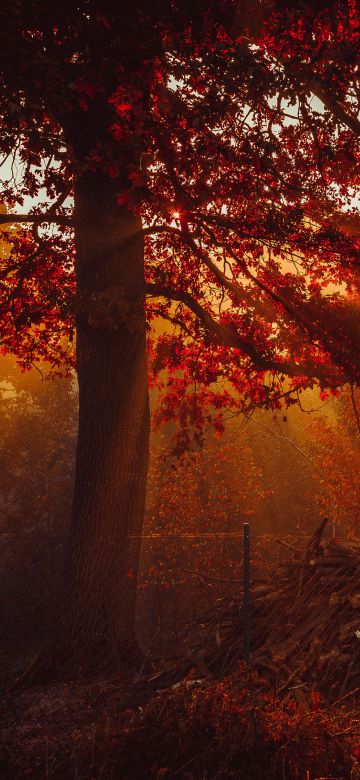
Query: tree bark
[96, 622]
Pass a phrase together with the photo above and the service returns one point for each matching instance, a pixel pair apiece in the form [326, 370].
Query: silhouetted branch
[37, 219]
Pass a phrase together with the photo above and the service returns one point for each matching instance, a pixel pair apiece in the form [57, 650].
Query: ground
[292, 713]
[234, 728]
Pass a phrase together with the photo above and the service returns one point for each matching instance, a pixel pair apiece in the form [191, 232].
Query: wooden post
[247, 593]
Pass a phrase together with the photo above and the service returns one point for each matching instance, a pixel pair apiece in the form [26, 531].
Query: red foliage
[239, 159]
[240, 727]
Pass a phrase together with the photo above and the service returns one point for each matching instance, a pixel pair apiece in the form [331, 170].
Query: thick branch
[228, 337]
[333, 105]
[253, 21]
[229, 284]
[220, 333]
[37, 219]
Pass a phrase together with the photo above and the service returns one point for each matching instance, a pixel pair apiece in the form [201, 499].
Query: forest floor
[292, 714]
[237, 727]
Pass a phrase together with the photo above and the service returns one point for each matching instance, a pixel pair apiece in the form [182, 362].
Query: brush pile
[305, 623]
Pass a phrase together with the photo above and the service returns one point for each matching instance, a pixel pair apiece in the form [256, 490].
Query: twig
[208, 576]
[354, 406]
[342, 698]
[289, 546]
[290, 679]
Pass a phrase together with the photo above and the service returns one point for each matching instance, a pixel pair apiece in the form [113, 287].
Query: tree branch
[228, 337]
[333, 105]
[230, 285]
[220, 333]
[175, 321]
[354, 406]
[37, 219]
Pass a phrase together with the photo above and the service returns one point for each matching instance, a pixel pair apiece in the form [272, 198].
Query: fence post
[247, 593]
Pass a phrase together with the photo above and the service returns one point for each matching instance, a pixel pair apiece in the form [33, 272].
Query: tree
[336, 457]
[37, 447]
[37, 454]
[205, 180]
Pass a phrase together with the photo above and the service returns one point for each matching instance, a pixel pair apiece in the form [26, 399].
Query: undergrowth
[198, 729]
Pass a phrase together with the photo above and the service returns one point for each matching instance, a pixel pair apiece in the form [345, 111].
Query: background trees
[335, 451]
[38, 433]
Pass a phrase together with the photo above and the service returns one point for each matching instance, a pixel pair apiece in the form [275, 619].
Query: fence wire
[181, 574]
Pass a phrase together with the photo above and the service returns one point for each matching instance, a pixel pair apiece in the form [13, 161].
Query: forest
[180, 389]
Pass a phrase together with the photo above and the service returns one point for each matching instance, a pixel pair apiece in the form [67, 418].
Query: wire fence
[181, 574]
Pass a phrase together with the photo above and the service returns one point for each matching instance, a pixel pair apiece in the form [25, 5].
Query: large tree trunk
[96, 624]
